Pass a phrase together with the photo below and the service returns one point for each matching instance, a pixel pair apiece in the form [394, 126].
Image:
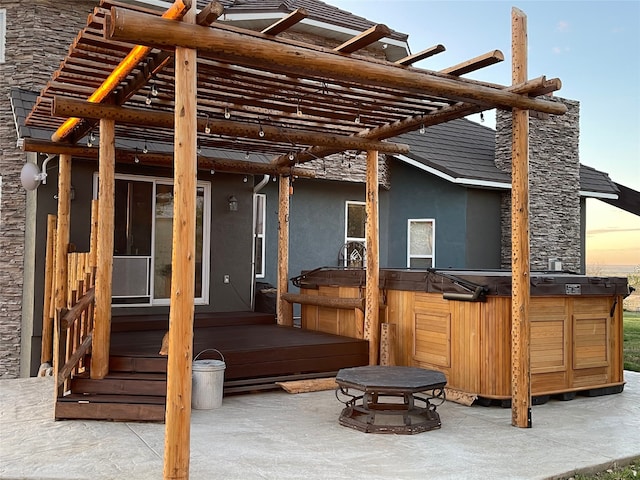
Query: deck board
[253, 350]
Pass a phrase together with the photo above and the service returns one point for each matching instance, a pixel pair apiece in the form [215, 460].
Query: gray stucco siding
[415, 194]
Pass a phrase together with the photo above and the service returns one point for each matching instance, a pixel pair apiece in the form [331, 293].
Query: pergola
[221, 98]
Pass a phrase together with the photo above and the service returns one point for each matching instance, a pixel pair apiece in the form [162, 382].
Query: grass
[629, 472]
[631, 347]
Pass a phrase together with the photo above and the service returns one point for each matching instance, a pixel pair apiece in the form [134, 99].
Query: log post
[388, 336]
[104, 251]
[46, 353]
[62, 248]
[520, 326]
[372, 294]
[284, 308]
[179, 363]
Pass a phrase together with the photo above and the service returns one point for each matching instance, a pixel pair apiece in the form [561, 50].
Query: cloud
[560, 50]
[562, 26]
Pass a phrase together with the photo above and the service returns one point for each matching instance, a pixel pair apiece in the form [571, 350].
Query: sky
[593, 47]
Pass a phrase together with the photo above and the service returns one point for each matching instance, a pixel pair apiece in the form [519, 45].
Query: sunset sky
[592, 46]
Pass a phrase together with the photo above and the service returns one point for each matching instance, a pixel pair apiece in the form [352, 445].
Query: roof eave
[462, 181]
[394, 49]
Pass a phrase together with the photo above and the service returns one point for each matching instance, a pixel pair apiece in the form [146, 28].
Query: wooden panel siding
[576, 341]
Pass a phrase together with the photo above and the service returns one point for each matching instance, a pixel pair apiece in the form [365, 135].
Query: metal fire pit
[390, 402]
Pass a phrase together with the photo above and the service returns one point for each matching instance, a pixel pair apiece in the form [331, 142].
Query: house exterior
[442, 205]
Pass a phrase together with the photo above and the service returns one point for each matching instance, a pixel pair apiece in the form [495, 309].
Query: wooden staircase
[134, 390]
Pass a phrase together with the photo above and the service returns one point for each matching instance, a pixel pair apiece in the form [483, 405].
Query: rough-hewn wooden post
[62, 248]
[520, 327]
[46, 353]
[179, 363]
[104, 251]
[372, 294]
[284, 308]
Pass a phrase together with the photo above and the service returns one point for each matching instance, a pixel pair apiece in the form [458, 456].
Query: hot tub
[459, 322]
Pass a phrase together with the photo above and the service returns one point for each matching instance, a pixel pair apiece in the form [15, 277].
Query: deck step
[122, 383]
[121, 363]
[106, 407]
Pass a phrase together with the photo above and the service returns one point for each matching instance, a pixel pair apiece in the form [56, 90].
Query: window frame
[206, 237]
[347, 238]
[3, 34]
[432, 256]
[262, 235]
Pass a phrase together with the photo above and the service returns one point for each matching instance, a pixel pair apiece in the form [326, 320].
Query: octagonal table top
[390, 378]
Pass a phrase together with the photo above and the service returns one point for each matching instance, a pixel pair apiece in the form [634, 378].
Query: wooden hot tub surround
[459, 322]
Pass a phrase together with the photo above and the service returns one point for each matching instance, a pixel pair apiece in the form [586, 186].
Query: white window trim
[264, 229]
[346, 223]
[206, 237]
[3, 33]
[433, 241]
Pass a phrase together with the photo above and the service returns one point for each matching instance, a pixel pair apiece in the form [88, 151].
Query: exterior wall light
[233, 203]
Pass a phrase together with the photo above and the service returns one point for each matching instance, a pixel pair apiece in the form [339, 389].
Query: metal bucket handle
[209, 350]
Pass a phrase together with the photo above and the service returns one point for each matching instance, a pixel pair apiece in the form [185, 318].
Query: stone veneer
[554, 187]
[38, 34]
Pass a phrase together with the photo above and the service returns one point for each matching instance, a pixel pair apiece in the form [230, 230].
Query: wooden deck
[257, 353]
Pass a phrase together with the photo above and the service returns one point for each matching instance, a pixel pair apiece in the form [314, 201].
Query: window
[353, 251]
[3, 32]
[421, 243]
[143, 237]
[259, 209]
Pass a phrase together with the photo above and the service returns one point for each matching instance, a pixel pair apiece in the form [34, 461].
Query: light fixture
[145, 149]
[91, 139]
[291, 157]
[233, 203]
[261, 132]
[31, 176]
[357, 119]
[422, 129]
[299, 110]
[213, 171]
[207, 128]
[154, 90]
[482, 116]
[198, 149]
[227, 113]
[148, 99]
[246, 156]
[245, 179]
[135, 156]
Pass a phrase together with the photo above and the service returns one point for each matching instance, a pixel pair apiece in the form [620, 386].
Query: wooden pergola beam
[481, 61]
[124, 68]
[210, 13]
[366, 38]
[416, 57]
[287, 58]
[537, 86]
[159, 159]
[63, 106]
[286, 23]
[153, 64]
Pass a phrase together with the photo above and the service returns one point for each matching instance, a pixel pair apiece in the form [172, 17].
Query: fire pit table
[399, 388]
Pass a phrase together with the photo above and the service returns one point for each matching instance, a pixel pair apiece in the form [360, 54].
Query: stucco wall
[554, 187]
[38, 35]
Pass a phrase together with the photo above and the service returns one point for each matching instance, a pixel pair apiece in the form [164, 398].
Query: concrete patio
[277, 435]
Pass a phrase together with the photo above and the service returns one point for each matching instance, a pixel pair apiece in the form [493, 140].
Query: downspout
[259, 186]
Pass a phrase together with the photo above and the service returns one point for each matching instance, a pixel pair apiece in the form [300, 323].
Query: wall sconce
[233, 203]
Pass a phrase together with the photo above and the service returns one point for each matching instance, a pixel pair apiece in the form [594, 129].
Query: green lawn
[625, 473]
[632, 341]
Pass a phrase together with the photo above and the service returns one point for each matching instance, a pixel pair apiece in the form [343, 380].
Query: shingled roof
[316, 10]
